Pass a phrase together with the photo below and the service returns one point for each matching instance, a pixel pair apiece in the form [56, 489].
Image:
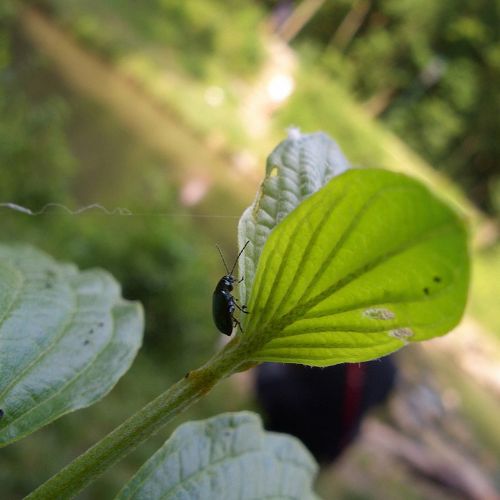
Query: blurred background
[168, 109]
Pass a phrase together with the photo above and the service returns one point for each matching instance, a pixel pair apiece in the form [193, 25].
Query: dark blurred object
[323, 407]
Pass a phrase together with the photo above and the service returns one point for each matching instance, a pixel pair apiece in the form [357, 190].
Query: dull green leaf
[66, 337]
[370, 262]
[297, 168]
[226, 457]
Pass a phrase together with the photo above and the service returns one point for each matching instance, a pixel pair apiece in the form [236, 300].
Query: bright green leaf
[225, 457]
[370, 262]
[66, 337]
[297, 168]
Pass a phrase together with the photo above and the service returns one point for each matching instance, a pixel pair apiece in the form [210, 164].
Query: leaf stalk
[146, 422]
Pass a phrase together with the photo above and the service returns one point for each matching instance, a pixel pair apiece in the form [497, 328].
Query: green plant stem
[96, 460]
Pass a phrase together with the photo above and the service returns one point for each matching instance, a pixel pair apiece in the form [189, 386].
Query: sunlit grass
[485, 291]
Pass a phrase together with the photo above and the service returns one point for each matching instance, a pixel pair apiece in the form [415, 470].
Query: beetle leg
[237, 323]
[243, 309]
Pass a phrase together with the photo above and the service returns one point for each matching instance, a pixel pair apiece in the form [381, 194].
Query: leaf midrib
[356, 219]
[55, 340]
[298, 311]
[378, 303]
[70, 381]
[236, 456]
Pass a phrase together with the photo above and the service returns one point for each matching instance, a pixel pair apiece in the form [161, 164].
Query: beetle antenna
[222, 257]
[237, 258]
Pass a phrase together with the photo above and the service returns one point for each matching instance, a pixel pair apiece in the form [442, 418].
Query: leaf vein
[70, 381]
[315, 235]
[299, 311]
[355, 221]
[64, 327]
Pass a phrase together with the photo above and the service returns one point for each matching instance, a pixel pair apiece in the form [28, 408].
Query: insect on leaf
[370, 262]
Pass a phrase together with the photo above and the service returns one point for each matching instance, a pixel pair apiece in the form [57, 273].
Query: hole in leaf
[2, 413]
[273, 172]
[401, 333]
[379, 313]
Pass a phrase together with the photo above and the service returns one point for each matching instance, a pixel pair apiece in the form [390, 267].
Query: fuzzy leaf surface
[297, 168]
[66, 337]
[228, 457]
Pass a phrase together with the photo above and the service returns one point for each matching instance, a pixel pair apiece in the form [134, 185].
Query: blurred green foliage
[58, 148]
[194, 34]
[36, 164]
[486, 288]
[176, 52]
[430, 70]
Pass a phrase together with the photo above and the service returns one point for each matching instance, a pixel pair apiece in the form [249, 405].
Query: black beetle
[223, 303]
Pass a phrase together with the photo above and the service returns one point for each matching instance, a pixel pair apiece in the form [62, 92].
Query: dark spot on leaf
[91, 331]
[87, 342]
[426, 291]
[437, 279]
[187, 375]
[100, 324]
[2, 413]
[48, 285]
